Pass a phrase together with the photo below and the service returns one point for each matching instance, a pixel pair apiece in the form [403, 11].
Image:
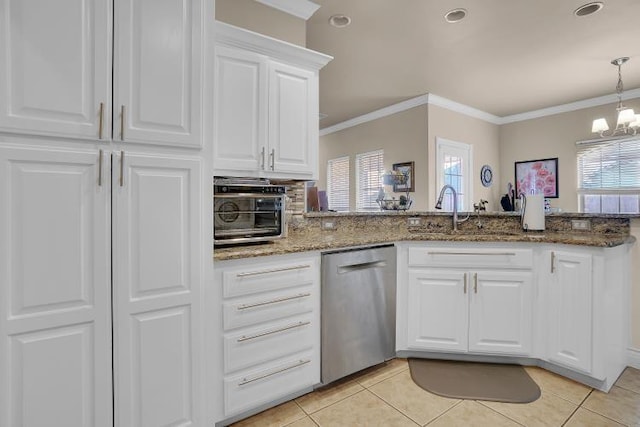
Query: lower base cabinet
[270, 328]
[566, 306]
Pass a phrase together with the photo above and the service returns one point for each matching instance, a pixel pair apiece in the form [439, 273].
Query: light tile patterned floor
[386, 396]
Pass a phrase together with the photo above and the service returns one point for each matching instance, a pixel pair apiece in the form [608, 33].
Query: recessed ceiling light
[455, 15]
[340, 21]
[588, 9]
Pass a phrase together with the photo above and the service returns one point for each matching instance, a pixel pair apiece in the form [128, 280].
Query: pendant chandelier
[628, 121]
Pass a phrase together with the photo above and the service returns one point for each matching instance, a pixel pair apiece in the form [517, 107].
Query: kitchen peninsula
[488, 292]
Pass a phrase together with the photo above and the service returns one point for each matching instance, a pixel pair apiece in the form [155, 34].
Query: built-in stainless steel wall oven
[247, 211]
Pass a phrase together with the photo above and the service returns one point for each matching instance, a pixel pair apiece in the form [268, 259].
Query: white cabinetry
[266, 106]
[55, 77]
[470, 300]
[271, 329]
[570, 310]
[55, 288]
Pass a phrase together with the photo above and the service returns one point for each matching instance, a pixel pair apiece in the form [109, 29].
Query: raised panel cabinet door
[157, 290]
[55, 72]
[293, 121]
[570, 310]
[500, 312]
[438, 310]
[240, 110]
[55, 288]
[157, 72]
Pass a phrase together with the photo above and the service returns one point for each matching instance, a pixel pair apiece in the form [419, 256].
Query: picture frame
[407, 169]
[537, 177]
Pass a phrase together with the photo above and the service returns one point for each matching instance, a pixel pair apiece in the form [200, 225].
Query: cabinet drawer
[267, 307]
[269, 383]
[245, 281]
[258, 345]
[471, 257]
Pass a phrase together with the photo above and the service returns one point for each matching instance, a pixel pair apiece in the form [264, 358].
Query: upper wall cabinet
[266, 106]
[55, 72]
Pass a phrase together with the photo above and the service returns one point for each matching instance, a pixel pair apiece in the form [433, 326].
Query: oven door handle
[248, 195]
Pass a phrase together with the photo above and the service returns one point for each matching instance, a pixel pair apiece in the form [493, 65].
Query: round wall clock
[486, 175]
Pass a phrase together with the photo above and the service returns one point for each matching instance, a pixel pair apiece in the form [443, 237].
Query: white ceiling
[506, 57]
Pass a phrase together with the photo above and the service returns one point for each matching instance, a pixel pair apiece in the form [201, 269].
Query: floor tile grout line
[442, 414]
[393, 407]
[399, 410]
[628, 389]
[331, 404]
[382, 380]
[570, 415]
[604, 416]
[498, 412]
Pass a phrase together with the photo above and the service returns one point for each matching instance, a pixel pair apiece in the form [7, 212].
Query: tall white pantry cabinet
[104, 213]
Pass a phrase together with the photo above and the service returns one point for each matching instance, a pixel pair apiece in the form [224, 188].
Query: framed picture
[537, 177]
[406, 169]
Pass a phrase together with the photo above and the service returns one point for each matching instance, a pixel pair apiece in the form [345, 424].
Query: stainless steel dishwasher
[358, 310]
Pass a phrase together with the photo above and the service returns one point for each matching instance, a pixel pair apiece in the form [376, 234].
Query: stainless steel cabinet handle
[465, 283]
[262, 158]
[275, 270]
[259, 377]
[100, 168]
[475, 283]
[553, 261]
[273, 301]
[273, 331]
[273, 158]
[122, 169]
[473, 253]
[122, 123]
[101, 121]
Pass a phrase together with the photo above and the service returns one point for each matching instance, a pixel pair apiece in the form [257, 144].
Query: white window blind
[338, 184]
[369, 167]
[609, 176]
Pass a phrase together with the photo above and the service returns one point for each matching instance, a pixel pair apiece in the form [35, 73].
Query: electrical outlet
[581, 224]
[415, 221]
[329, 224]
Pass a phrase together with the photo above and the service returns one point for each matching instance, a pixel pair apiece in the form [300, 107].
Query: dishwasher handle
[361, 266]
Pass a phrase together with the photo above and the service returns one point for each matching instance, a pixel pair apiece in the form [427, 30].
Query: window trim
[442, 144]
[360, 156]
[346, 159]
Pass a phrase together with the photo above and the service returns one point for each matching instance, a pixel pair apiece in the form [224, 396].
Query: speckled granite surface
[308, 234]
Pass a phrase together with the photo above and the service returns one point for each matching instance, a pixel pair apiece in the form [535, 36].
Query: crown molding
[232, 36]
[572, 106]
[439, 101]
[377, 114]
[303, 9]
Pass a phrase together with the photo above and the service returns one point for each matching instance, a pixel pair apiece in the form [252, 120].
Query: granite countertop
[331, 241]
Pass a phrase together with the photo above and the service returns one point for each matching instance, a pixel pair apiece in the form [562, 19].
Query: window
[454, 168]
[338, 184]
[369, 167]
[609, 176]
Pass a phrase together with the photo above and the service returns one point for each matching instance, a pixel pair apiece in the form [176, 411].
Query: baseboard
[633, 357]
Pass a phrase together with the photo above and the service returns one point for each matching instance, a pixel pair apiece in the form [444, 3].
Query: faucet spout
[455, 203]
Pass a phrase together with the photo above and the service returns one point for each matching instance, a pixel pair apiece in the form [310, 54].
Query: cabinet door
[293, 122]
[570, 314]
[500, 312]
[55, 70]
[55, 288]
[438, 310]
[157, 291]
[157, 66]
[240, 113]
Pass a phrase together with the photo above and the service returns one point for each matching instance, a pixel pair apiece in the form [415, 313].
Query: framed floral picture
[537, 177]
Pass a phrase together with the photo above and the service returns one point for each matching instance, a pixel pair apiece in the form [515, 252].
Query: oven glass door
[247, 217]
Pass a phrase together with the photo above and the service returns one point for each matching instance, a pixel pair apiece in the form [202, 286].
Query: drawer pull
[273, 331]
[275, 270]
[473, 253]
[273, 301]
[259, 377]
[475, 283]
[465, 283]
